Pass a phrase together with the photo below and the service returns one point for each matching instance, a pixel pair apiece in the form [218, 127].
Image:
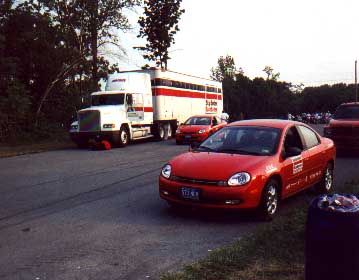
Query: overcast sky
[307, 41]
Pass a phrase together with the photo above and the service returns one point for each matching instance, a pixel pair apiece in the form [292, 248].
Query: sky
[312, 42]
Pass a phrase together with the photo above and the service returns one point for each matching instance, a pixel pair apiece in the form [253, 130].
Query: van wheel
[326, 184]
[269, 201]
[169, 131]
[124, 137]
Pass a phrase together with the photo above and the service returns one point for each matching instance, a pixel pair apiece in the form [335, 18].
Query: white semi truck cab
[144, 103]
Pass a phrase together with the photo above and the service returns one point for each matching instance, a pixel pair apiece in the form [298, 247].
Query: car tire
[326, 184]
[269, 200]
[124, 138]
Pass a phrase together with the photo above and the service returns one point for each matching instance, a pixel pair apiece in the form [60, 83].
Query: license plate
[190, 193]
[187, 136]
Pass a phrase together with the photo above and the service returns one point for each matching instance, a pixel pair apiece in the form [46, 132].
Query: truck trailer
[143, 104]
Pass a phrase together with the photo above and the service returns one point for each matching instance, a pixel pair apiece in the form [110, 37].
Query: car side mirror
[291, 152]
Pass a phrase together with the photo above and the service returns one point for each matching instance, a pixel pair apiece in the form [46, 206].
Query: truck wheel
[161, 132]
[269, 200]
[124, 137]
[169, 131]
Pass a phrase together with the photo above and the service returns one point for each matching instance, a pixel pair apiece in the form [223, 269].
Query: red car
[198, 128]
[250, 164]
[343, 128]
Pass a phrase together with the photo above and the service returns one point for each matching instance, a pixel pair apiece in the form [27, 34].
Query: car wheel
[124, 137]
[269, 200]
[326, 184]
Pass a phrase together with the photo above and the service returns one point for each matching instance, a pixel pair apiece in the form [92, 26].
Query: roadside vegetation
[274, 251]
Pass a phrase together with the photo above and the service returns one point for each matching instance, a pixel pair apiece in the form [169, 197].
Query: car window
[244, 140]
[214, 121]
[309, 136]
[347, 112]
[292, 139]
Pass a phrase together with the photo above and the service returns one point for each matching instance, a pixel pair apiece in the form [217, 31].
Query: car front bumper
[216, 197]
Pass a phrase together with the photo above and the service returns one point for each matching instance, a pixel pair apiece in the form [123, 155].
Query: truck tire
[124, 137]
[161, 132]
[168, 131]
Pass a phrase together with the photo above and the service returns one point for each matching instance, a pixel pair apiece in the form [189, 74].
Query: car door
[295, 168]
[315, 150]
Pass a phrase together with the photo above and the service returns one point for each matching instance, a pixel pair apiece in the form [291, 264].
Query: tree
[91, 23]
[158, 26]
[226, 68]
[270, 74]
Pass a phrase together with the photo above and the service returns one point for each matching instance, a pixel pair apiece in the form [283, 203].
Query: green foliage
[46, 49]
[158, 26]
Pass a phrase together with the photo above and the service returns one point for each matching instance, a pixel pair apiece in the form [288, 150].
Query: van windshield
[108, 99]
[347, 112]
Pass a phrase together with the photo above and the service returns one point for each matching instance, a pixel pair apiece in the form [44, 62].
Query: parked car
[197, 128]
[343, 128]
[250, 164]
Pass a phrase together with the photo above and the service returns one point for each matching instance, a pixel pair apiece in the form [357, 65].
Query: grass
[35, 142]
[274, 251]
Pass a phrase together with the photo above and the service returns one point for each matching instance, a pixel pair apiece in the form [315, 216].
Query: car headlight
[109, 125]
[178, 130]
[201, 131]
[74, 127]
[239, 179]
[166, 171]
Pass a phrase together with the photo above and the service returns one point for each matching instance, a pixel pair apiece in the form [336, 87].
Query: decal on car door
[297, 164]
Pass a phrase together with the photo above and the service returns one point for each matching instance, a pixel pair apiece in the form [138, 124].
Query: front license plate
[190, 193]
[187, 136]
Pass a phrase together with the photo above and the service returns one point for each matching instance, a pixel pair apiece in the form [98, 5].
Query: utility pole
[356, 82]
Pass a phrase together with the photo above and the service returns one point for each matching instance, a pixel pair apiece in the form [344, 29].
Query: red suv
[343, 129]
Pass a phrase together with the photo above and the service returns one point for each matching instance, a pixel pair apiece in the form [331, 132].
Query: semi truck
[145, 104]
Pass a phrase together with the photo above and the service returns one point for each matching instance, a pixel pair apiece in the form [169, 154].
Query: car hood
[215, 166]
[344, 122]
[192, 128]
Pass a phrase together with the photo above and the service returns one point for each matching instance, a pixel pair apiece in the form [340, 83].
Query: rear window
[347, 112]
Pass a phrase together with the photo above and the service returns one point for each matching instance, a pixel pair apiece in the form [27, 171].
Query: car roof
[275, 123]
[202, 116]
[349, 104]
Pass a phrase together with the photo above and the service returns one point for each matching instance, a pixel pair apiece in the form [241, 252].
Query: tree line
[270, 98]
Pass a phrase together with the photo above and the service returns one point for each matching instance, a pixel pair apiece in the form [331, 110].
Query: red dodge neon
[198, 128]
[250, 164]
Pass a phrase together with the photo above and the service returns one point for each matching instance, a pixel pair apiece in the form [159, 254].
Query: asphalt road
[80, 214]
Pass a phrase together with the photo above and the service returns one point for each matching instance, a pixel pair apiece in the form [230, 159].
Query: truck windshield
[108, 99]
[347, 112]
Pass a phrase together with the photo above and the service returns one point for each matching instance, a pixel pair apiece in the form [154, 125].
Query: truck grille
[89, 120]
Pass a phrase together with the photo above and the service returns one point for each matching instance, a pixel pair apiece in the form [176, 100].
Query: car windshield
[198, 121]
[347, 112]
[108, 99]
[250, 140]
